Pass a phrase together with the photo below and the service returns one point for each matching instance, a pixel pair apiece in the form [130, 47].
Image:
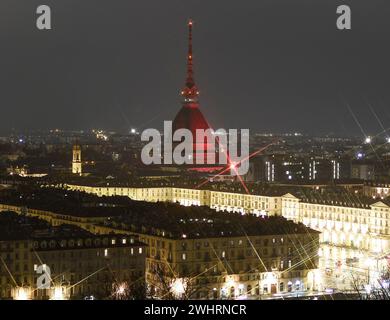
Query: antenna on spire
[190, 91]
[190, 72]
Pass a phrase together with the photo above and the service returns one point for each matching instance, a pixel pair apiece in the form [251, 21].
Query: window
[249, 290]
[184, 256]
[106, 252]
[139, 250]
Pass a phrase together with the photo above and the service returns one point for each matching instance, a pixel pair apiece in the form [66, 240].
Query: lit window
[132, 251]
[113, 241]
[184, 256]
[124, 241]
[106, 252]
[140, 250]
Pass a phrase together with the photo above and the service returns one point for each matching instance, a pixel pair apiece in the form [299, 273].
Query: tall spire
[190, 91]
[190, 72]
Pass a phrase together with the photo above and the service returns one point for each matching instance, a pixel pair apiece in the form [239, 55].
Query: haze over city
[265, 65]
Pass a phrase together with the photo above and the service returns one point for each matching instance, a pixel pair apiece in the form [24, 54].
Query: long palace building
[355, 226]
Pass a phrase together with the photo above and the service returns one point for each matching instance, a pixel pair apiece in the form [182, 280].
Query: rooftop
[195, 223]
[337, 196]
[170, 219]
[19, 227]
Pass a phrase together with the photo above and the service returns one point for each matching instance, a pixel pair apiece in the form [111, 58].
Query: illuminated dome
[191, 118]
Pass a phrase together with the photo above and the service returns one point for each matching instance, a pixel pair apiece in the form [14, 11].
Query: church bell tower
[76, 162]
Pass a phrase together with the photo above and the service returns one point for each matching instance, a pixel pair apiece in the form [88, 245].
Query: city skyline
[117, 184]
[275, 68]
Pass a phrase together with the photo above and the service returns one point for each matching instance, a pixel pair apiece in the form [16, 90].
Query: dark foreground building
[39, 261]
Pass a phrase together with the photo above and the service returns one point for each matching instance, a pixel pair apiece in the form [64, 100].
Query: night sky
[267, 65]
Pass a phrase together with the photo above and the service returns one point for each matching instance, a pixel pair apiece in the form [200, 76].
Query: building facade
[234, 267]
[218, 200]
[58, 267]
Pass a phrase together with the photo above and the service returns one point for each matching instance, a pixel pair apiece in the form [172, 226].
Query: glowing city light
[230, 282]
[368, 139]
[22, 294]
[367, 288]
[178, 287]
[369, 262]
[58, 293]
[121, 290]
